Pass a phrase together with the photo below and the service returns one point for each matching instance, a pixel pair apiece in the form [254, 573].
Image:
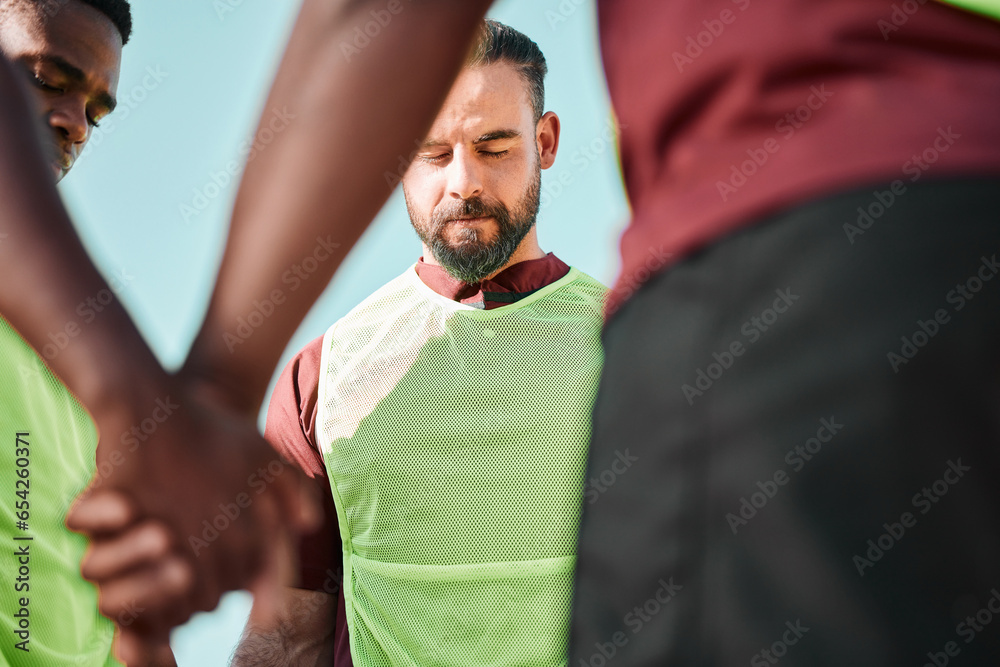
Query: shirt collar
[507, 287]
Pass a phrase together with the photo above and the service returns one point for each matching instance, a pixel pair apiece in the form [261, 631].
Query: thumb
[100, 512]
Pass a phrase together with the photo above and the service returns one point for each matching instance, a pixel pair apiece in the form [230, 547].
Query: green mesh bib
[63, 625]
[990, 8]
[455, 440]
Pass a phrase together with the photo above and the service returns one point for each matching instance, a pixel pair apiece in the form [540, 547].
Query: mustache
[473, 207]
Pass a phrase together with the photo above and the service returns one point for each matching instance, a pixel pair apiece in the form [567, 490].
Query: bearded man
[446, 415]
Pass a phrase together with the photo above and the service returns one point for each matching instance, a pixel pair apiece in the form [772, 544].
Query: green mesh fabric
[455, 441]
[64, 626]
[990, 8]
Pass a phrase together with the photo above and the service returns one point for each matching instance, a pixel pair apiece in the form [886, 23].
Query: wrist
[222, 386]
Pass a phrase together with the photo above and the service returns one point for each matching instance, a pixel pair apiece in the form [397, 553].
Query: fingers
[159, 553]
[147, 598]
[101, 512]
[145, 543]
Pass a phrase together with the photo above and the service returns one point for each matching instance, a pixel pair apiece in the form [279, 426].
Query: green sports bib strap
[990, 8]
[48, 612]
[455, 441]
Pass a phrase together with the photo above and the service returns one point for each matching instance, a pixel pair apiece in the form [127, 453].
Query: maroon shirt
[291, 419]
[732, 110]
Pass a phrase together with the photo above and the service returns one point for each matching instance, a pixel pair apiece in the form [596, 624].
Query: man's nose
[69, 119]
[464, 178]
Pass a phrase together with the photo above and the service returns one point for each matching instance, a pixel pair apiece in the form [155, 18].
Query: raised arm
[45, 276]
[357, 109]
[362, 82]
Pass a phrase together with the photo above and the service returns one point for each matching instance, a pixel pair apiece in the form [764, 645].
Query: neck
[527, 250]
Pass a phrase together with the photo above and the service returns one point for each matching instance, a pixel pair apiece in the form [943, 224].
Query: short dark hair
[501, 43]
[119, 12]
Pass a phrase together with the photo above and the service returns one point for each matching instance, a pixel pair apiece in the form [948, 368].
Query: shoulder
[403, 286]
[404, 299]
[581, 289]
[291, 413]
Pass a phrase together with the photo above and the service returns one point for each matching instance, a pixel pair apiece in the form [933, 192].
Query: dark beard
[472, 258]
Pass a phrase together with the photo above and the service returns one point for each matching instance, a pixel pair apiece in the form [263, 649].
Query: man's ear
[547, 139]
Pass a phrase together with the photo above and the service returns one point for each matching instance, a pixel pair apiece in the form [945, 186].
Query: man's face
[472, 191]
[73, 60]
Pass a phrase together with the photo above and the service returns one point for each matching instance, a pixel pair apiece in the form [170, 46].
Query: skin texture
[72, 62]
[321, 176]
[45, 274]
[450, 167]
[302, 637]
[454, 164]
[324, 176]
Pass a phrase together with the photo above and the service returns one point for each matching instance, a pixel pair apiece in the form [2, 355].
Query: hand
[201, 506]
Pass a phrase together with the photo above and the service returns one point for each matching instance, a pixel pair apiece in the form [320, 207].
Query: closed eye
[44, 85]
[434, 159]
[495, 154]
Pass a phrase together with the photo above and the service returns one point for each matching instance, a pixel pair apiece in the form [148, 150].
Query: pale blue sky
[193, 80]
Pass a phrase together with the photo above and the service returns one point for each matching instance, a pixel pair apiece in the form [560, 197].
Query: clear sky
[152, 205]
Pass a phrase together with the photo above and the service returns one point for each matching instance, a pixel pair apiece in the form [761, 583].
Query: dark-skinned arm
[45, 274]
[317, 186]
[359, 113]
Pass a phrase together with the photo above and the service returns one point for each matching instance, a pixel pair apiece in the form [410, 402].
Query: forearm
[47, 278]
[355, 115]
[302, 637]
[271, 649]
